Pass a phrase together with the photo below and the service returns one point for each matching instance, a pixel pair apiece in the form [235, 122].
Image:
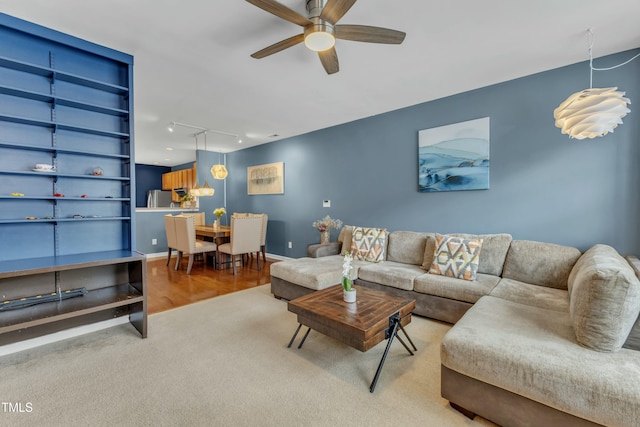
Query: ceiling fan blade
[329, 59]
[281, 11]
[365, 33]
[277, 47]
[335, 9]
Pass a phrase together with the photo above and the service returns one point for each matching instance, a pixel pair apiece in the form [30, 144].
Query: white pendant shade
[206, 190]
[592, 112]
[219, 171]
[195, 191]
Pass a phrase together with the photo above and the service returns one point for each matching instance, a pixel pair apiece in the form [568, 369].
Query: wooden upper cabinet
[184, 178]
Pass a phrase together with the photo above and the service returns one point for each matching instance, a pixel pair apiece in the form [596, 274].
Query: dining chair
[170, 230]
[245, 239]
[198, 216]
[187, 242]
[263, 235]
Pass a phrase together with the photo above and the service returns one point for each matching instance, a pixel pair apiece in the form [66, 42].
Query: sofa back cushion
[406, 247]
[345, 236]
[542, 264]
[494, 251]
[604, 301]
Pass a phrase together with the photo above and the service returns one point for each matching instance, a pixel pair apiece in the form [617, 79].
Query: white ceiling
[192, 62]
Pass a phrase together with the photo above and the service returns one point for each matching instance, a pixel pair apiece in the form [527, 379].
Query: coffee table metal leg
[305, 337]
[391, 333]
[295, 335]
[408, 337]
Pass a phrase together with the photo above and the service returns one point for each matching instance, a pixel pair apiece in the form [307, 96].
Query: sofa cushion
[406, 247]
[457, 289]
[369, 244]
[429, 250]
[390, 273]
[533, 295]
[456, 257]
[494, 251]
[533, 352]
[313, 273]
[604, 299]
[543, 264]
[345, 236]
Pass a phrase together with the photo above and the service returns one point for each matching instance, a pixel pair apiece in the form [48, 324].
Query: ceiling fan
[321, 29]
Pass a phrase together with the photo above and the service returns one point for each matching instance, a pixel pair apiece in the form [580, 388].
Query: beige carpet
[224, 362]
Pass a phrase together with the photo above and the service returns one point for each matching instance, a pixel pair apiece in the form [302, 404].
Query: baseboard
[62, 335]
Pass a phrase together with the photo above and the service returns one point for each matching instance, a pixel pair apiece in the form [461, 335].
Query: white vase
[349, 296]
[215, 223]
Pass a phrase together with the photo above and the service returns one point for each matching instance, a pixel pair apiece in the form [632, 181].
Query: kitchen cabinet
[183, 178]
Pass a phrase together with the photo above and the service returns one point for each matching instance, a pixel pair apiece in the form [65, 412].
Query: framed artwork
[265, 179]
[454, 157]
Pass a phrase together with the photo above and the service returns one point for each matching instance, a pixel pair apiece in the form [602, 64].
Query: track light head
[172, 125]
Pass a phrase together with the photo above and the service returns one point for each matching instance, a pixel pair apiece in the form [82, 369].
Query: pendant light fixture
[195, 191]
[219, 171]
[592, 112]
[206, 189]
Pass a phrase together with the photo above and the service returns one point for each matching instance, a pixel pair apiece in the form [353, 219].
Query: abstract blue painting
[454, 157]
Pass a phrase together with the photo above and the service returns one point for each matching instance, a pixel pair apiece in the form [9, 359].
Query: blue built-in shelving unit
[68, 103]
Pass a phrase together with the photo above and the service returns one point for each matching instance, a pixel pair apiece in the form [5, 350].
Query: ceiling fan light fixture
[319, 37]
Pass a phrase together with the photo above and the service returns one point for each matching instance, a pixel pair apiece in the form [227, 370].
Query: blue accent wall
[148, 177]
[544, 186]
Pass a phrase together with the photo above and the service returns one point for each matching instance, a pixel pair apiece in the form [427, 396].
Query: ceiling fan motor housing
[321, 34]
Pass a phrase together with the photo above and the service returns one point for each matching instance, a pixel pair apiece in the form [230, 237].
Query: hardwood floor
[168, 288]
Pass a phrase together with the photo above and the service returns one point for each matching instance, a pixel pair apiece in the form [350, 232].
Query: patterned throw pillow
[456, 257]
[368, 244]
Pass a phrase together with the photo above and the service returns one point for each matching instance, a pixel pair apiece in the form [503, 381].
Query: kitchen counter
[178, 209]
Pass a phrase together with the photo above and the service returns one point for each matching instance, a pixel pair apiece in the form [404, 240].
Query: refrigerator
[159, 199]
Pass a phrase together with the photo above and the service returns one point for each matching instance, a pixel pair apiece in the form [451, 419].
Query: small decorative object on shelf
[349, 292]
[58, 195]
[15, 194]
[324, 226]
[218, 213]
[97, 171]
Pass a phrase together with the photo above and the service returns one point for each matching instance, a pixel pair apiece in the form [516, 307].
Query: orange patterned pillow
[456, 257]
[368, 244]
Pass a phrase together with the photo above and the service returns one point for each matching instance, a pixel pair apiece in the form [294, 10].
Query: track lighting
[172, 125]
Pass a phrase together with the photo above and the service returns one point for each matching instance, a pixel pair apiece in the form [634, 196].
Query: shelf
[61, 75]
[56, 220]
[61, 150]
[65, 175]
[93, 199]
[61, 126]
[62, 101]
[29, 266]
[94, 301]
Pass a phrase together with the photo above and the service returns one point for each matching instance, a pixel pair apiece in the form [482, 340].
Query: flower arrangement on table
[324, 226]
[347, 282]
[218, 213]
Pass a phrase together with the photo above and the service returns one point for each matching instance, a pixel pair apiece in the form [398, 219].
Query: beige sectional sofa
[545, 335]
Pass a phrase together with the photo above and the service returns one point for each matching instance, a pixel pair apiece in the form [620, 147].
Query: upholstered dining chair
[187, 242]
[263, 236]
[198, 216]
[172, 240]
[245, 239]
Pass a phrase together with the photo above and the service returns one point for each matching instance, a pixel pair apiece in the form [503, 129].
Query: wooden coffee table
[374, 317]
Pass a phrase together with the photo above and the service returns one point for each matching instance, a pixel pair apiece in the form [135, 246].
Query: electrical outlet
[154, 241]
[326, 203]
[290, 245]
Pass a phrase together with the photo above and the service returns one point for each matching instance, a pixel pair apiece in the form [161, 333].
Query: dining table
[218, 234]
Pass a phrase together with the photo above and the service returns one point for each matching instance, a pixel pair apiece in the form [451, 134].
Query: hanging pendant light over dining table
[219, 171]
[206, 190]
